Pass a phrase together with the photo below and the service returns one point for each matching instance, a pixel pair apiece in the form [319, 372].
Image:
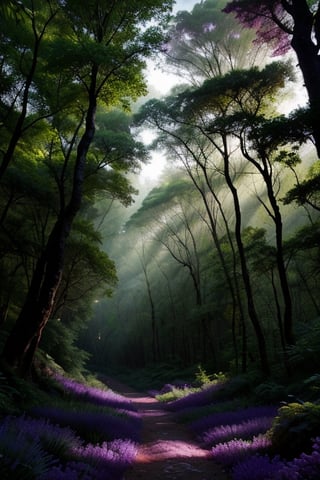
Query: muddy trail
[168, 449]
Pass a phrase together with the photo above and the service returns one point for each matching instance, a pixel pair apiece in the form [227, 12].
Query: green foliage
[59, 341]
[306, 192]
[7, 394]
[238, 386]
[304, 355]
[227, 405]
[154, 376]
[17, 395]
[294, 428]
[58, 62]
[204, 378]
[248, 91]
[314, 381]
[175, 393]
[197, 49]
[270, 392]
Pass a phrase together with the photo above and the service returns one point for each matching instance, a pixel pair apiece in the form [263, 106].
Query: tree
[263, 145]
[306, 192]
[285, 22]
[22, 103]
[206, 42]
[102, 53]
[207, 111]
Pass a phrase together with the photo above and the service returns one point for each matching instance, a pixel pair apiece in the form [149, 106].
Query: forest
[204, 273]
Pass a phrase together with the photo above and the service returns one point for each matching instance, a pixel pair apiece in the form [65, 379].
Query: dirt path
[168, 450]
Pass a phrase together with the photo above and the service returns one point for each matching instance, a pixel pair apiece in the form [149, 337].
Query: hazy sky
[183, 5]
[162, 82]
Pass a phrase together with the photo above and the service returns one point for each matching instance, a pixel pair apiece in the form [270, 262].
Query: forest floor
[168, 449]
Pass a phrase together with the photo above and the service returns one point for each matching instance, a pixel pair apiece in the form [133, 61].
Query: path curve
[168, 450]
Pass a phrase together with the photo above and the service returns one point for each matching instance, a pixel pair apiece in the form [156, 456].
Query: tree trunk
[308, 57]
[287, 315]
[244, 269]
[25, 336]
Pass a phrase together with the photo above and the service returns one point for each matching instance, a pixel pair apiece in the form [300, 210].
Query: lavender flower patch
[21, 455]
[258, 467]
[78, 470]
[33, 448]
[196, 399]
[305, 467]
[53, 438]
[67, 473]
[105, 462]
[232, 417]
[245, 430]
[235, 451]
[95, 427]
[95, 395]
[115, 457]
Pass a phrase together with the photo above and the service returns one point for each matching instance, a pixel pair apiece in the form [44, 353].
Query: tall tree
[102, 50]
[285, 22]
[263, 144]
[206, 42]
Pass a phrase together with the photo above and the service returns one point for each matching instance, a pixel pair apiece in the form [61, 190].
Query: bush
[270, 392]
[294, 428]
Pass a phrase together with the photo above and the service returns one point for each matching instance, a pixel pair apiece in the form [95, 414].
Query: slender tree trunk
[232, 282]
[244, 269]
[287, 315]
[265, 168]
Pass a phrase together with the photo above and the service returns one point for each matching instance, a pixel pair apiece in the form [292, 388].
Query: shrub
[270, 392]
[293, 429]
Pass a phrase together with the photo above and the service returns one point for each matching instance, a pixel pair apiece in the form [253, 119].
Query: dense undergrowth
[61, 428]
[256, 431]
[58, 428]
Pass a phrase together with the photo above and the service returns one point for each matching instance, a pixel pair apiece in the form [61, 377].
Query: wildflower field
[62, 428]
[275, 440]
[78, 432]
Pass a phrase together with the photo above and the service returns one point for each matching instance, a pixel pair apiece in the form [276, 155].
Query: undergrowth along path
[168, 449]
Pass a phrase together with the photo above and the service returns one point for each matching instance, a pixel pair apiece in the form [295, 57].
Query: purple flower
[21, 450]
[257, 467]
[95, 426]
[115, 456]
[232, 417]
[230, 453]
[196, 399]
[244, 430]
[305, 467]
[95, 395]
[32, 448]
[96, 462]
